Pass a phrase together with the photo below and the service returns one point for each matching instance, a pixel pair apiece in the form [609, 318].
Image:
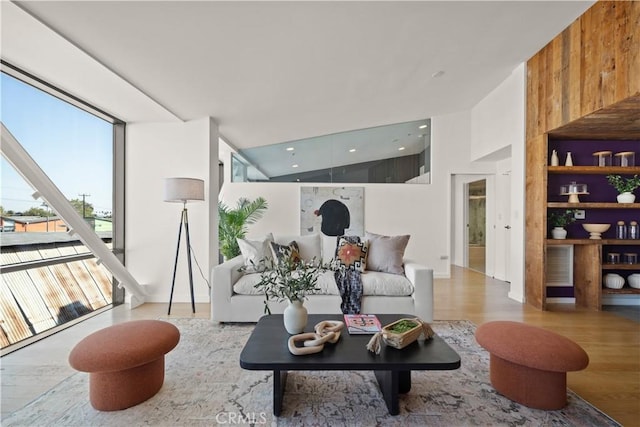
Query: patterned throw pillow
[352, 255]
[289, 252]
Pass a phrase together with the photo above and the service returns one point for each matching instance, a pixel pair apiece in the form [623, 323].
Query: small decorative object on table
[327, 331]
[400, 334]
[362, 323]
[290, 279]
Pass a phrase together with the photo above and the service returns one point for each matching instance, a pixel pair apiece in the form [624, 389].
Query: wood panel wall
[592, 64]
[580, 76]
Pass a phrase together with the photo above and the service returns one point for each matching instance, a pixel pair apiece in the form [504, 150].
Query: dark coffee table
[266, 350]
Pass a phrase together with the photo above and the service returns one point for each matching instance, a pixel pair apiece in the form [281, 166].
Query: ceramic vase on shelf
[558, 233]
[569, 161]
[554, 158]
[295, 317]
[626, 197]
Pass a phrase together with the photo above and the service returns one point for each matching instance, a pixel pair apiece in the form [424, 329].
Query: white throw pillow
[256, 253]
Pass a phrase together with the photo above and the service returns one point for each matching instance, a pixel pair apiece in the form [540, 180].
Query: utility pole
[84, 196]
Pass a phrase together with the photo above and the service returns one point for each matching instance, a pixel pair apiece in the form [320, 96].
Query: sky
[74, 148]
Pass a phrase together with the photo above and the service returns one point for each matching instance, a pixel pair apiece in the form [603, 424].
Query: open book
[362, 323]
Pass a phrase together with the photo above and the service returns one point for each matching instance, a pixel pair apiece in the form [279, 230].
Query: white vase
[554, 158]
[569, 161]
[626, 197]
[295, 317]
[558, 233]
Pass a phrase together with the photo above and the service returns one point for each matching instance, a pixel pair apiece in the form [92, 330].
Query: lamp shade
[183, 189]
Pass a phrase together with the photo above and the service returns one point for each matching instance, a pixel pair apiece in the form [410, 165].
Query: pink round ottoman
[528, 364]
[125, 362]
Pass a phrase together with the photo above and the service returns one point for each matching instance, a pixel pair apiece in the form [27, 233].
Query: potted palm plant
[233, 222]
[558, 221]
[625, 187]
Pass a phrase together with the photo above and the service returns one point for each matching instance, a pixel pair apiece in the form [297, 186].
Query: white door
[503, 227]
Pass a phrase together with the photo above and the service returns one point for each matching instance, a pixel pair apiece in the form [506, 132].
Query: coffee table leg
[389, 386]
[405, 381]
[279, 383]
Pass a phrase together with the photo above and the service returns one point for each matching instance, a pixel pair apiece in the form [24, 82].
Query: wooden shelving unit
[589, 268]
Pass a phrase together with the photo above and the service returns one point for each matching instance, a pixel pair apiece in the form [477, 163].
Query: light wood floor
[611, 382]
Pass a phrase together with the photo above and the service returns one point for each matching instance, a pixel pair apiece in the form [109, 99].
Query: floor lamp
[183, 190]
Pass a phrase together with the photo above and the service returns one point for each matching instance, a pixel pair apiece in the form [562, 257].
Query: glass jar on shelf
[621, 230]
[602, 158]
[630, 258]
[633, 230]
[625, 159]
[613, 258]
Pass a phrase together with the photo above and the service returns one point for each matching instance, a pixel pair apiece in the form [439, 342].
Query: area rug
[205, 386]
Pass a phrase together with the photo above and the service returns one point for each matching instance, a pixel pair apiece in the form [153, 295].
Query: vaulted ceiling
[270, 72]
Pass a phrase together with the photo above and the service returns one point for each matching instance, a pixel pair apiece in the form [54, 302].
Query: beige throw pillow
[386, 253]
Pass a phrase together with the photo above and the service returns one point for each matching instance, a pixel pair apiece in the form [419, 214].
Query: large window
[49, 278]
[390, 154]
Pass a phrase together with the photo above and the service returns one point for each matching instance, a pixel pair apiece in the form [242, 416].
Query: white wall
[422, 210]
[498, 127]
[156, 151]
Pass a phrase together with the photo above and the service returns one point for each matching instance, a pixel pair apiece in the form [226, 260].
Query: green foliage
[562, 219]
[86, 211]
[624, 185]
[232, 223]
[288, 280]
[37, 212]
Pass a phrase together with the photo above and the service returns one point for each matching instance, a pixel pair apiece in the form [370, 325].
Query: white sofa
[234, 298]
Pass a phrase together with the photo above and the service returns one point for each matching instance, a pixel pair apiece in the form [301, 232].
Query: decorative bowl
[613, 281]
[634, 280]
[596, 230]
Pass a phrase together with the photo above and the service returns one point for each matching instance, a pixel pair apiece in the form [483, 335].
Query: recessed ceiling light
[294, 166]
[290, 148]
[353, 150]
[422, 126]
[401, 148]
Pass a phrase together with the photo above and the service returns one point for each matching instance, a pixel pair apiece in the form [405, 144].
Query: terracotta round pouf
[528, 364]
[125, 362]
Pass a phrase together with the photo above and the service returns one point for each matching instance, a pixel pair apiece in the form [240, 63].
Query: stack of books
[362, 323]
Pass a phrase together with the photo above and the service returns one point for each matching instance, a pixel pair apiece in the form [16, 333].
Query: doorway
[476, 199]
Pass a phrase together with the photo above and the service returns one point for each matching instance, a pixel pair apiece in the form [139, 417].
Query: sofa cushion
[309, 246]
[256, 253]
[386, 253]
[373, 283]
[385, 284]
[352, 255]
[246, 284]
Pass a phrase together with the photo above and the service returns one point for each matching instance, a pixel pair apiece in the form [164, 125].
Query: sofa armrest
[422, 279]
[223, 277]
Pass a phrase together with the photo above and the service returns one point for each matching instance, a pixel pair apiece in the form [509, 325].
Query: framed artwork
[332, 211]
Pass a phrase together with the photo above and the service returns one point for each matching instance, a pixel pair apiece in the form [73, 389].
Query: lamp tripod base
[184, 222]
